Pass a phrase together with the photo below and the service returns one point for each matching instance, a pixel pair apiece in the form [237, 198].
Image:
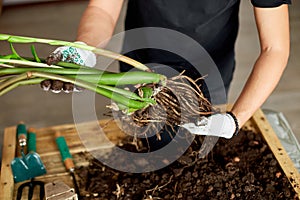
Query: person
[214, 25]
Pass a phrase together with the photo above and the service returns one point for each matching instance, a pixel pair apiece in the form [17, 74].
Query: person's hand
[221, 125]
[71, 55]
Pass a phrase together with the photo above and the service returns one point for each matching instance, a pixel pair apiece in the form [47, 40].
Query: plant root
[179, 101]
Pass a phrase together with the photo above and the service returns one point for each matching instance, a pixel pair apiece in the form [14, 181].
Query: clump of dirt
[241, 168]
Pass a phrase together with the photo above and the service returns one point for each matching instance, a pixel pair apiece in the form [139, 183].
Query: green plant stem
[2, 80]
[19, 70]
[95, 76]
[124, 78]
[70, 65]
[59, 64]
[98, 51]
[103, 91]
[119, 57]
[12, 80]
[27, 63]
[36, 57]
[14, 52]
[20, 83]
[6, 65]
[126, 93]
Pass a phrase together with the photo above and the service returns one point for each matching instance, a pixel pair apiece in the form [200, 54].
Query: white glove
[71, 55]
[221, 125]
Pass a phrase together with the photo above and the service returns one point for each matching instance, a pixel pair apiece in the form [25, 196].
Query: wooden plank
[278, 150]
[8, 154]
[78, 143]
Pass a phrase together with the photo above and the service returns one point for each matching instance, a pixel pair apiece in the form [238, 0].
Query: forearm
[262, 81]
[98, 22]
[95, 27]
[273, 29]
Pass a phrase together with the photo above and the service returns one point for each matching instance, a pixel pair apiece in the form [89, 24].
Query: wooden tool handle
[22, 134]
[65, 152]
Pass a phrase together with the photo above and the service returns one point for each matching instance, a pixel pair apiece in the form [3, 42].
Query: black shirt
[211, 23]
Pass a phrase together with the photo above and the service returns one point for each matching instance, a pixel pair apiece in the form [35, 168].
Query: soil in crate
[241, 168]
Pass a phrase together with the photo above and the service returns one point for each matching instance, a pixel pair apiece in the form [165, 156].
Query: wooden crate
[49, 153]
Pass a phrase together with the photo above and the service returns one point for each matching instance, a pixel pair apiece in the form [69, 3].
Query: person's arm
[98, 21]
[273, 29]
[95, 29]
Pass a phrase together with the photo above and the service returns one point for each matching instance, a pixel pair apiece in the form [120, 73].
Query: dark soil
[241, 168]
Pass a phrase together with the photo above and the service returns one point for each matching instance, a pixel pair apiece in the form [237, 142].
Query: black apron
[211, 23]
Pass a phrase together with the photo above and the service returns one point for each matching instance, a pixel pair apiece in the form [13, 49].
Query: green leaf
[33, 51]
[14, 54]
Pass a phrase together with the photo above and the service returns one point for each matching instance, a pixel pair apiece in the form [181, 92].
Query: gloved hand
[71, 55]
[221, 125]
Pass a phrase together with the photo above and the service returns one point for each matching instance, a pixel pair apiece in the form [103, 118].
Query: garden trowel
[27, 166]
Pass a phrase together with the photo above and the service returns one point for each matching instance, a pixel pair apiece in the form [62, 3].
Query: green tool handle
[31, 142]
[22, 134]
[65, 153]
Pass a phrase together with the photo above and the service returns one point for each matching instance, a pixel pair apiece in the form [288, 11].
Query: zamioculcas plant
[156, 99]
